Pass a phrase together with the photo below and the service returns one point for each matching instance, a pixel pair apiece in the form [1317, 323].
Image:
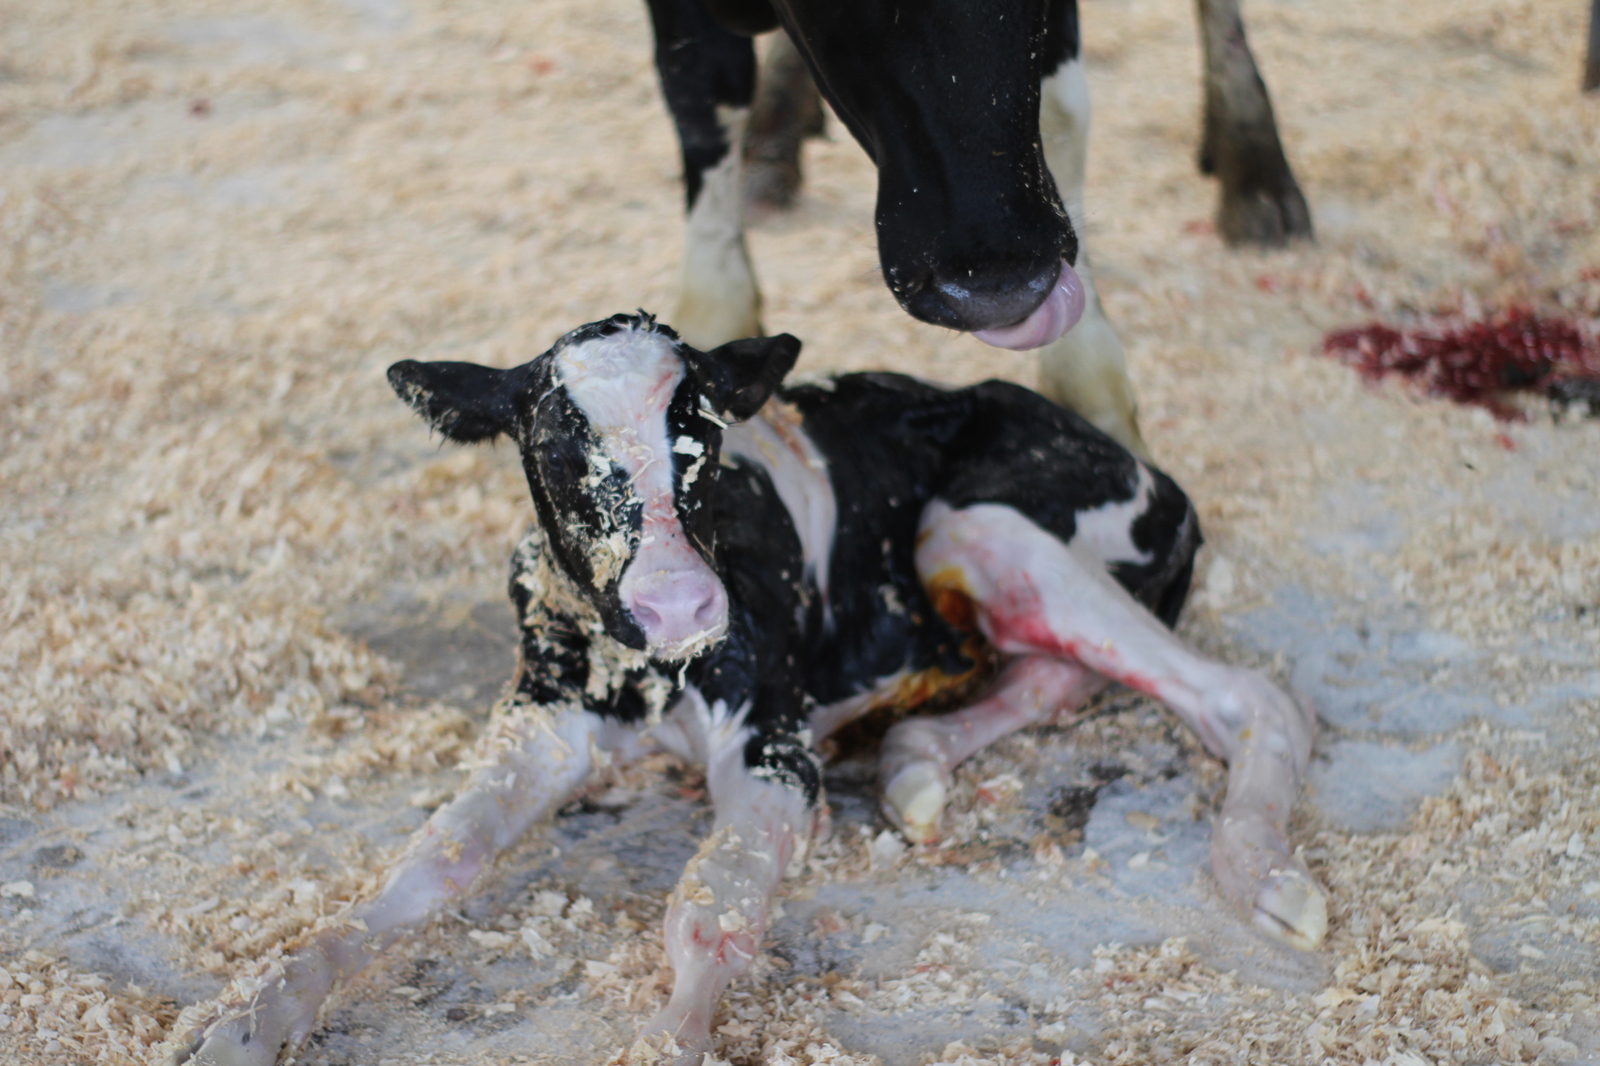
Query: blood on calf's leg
[1035, 596]
[534, 760]
[919, 754]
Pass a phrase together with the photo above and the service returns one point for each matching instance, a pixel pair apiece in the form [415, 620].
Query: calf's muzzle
[680, 605]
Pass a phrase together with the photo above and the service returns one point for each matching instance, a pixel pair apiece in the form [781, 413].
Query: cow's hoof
[914, 800]
[1263, 216]
[1291, 907]
[771, 184]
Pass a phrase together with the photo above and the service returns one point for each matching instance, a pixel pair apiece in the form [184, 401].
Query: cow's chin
[1059, 312]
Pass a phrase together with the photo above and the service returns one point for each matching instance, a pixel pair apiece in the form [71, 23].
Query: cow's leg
[1085, 369]
[766, 801]
[1260, 202]
[536, 758]
[1033, 595]
[919, 754]
[708, 76]
[787, 110]
[1591, 65]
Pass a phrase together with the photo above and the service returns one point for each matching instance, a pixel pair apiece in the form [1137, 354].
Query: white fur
[718, 300]
[1038, 597]
[624, 384]
[723, 905]
[775, 440]
[1086, 369]
[1105, 533]
[701, 732]
[828, 719]
[529, 765]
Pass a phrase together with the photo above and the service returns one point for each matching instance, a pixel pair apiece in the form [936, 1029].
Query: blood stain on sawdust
[206, 479]
[1482, 362]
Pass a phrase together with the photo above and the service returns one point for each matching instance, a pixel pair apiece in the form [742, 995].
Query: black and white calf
[977, 117]
[731, 571]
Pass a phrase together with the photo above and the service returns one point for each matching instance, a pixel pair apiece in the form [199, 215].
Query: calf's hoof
[1255, 868]
[684, 1045]
[253, 1032]
[230, 1042]
[914, 798]
[1290, 907]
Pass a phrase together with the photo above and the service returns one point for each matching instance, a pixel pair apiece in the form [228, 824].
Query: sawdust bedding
[222, 220]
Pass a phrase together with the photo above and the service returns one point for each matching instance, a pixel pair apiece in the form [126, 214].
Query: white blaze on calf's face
[624, 383]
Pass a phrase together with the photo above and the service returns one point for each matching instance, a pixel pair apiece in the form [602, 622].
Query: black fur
[463, 401]
[944, 96]
[702, 65]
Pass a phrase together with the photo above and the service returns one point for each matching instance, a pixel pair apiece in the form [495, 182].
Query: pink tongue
[1059, 313]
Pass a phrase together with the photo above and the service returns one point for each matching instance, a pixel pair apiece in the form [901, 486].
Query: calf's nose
[678, 609]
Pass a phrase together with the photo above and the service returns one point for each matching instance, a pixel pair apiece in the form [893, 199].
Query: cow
[977, 116]
[731, 570]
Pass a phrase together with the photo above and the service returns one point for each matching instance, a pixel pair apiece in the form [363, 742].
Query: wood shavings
[201, 465]
[59, 1011]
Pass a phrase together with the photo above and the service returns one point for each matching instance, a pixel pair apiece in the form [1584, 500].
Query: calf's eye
[557, 462]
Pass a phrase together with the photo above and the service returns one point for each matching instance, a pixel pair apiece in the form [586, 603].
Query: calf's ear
[741, 375]
[463, 401]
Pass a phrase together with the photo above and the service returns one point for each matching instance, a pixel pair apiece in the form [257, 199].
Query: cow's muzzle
[1059, 312]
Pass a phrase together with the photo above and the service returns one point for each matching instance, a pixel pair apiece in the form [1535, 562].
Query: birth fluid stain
[1074, 803]
[1480, 362]
[948, 591]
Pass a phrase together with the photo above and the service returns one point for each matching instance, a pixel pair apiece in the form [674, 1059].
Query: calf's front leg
[1036, 596]
[535, 759]
[722, 907]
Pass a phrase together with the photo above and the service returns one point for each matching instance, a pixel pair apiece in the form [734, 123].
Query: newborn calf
[731, 571]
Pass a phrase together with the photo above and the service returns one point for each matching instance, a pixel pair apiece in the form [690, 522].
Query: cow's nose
[998, 297]
[678, 609]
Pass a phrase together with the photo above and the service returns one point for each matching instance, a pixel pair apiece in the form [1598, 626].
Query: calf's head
[620, 427]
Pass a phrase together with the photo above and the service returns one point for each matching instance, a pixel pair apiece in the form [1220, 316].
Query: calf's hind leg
[919, 754]
[536, 759]
[1033, 595]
